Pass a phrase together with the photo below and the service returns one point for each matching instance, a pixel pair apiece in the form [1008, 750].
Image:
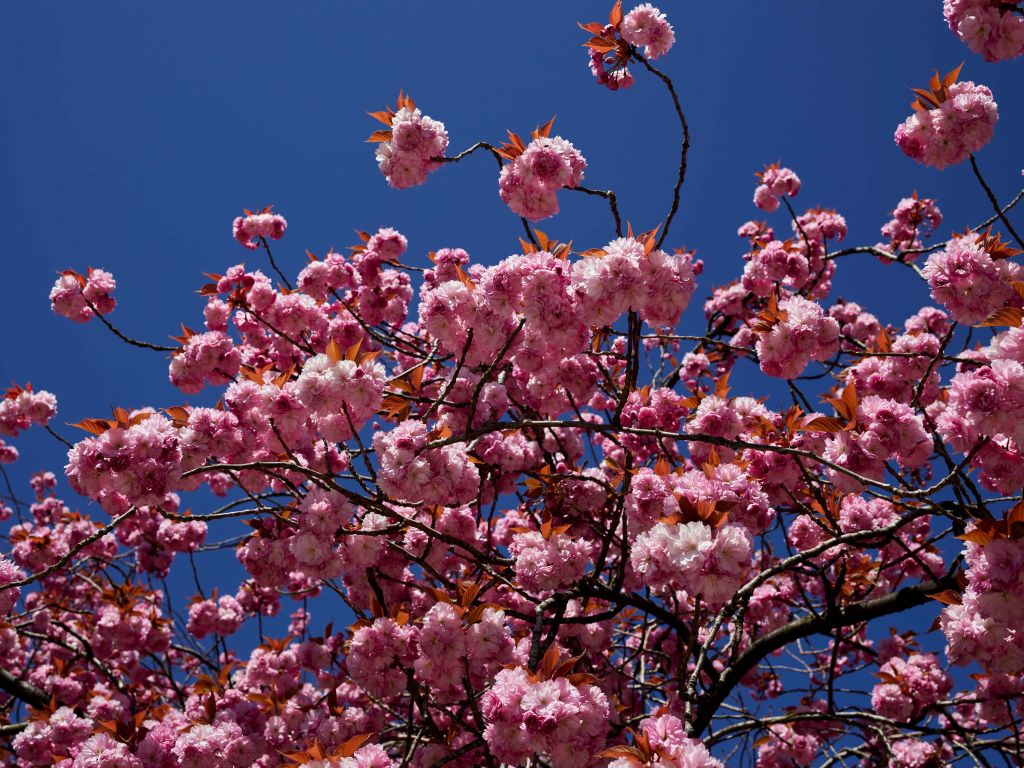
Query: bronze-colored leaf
[615, 16]
[1010, 316]
[947, 597]
[543, 132]
[349, 747]
[823, 424]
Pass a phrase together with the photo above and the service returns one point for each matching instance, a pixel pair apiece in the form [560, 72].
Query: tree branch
[815, 624]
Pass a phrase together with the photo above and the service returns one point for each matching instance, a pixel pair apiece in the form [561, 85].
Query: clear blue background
[132, 133]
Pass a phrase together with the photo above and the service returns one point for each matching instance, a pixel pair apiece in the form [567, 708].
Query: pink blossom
[804, 333]
[416, 140]
[647, 26]
[249, 229]
[992, 29]
[947, 134]
[968, 282]
[529, 183]
[73, 293]
[775, 183]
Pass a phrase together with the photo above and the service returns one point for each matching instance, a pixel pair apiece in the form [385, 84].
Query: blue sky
[132, 133]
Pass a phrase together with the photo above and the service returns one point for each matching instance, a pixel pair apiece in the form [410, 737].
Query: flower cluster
[340, 394]
[73, 294]
[614, 44]
[529, 183]
[912, 218]
[987, 626]
[410, 471]
[909, 687]
[968, 282]
[452, 640]
[374, 654]
[668, 745]
[407, 152]
[222, 616]
[612, 74]
[630, 274]
[529, 717]
[798, 332]
[21, 407]
[552, 561]
[776, 182]
[647, 26]
[137, 463]
[253, 227]
[694, 557]
[205, 358]
[950, 123]
[995, 30]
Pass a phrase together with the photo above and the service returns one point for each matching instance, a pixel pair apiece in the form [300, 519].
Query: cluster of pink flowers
[333, 273]
[988, 402]
[527, 717]
[408, 156]
[614, 44]
[888, 429]
[993, 29]
[647, 26]
[8, 597]
[157, 540]
[205, 358]
[631, 276]
[20, 408]
[73, 293]
[968, 282]
[529, 184]
[776, 264]
[549, 563]
[917, 753]
[803, 333]
[323, 515]
[375, 652]
[694, 557]
[898, 377]
[609, 71]
[670, 747]
[913, 218]
[909, 687]
[222, 616]
[448, 646]
[536, 287]
[340, 395]
[139, 465]
[221, 743]
[776, 182]
[60, 735]
[410, 471]
[988, 625]
[251, 228]
[945, 133]
[372, 756]
[857, 325]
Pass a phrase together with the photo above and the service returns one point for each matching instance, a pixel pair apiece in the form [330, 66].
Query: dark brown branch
[608, 195]
[841, 616]
[266, 247]
[19, 689]
[995, 203]
[686, 140]
[128, 339]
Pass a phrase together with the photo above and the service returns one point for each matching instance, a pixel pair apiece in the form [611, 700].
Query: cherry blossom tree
[558, 534]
